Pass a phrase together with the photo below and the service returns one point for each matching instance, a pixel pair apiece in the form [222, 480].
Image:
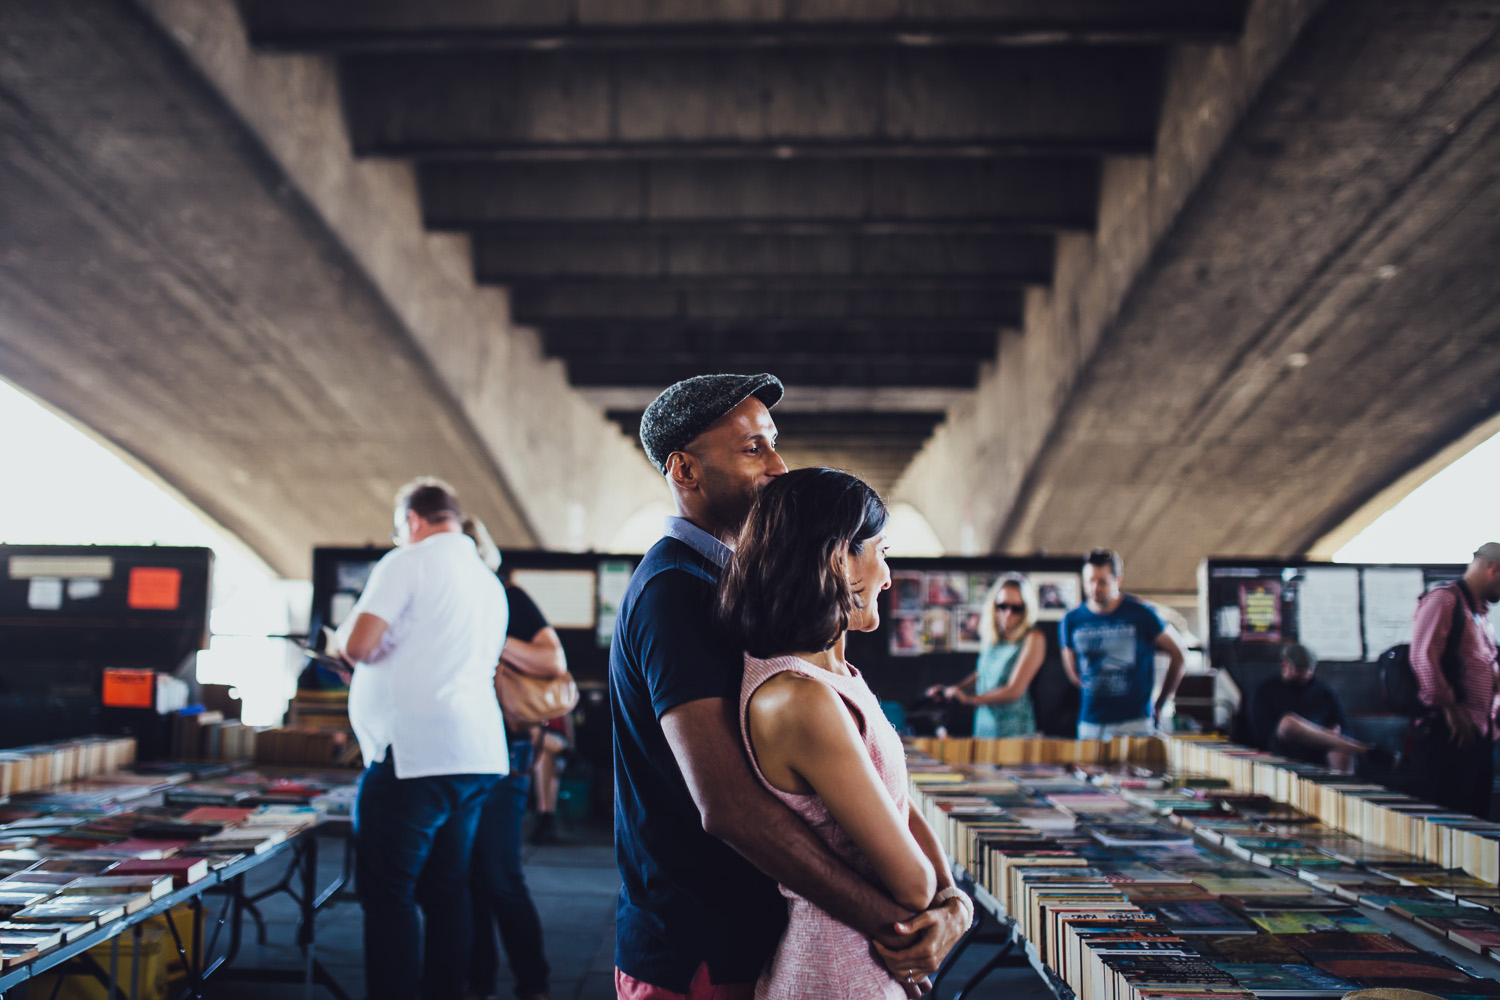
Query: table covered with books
[105, 863]
[1126, 871]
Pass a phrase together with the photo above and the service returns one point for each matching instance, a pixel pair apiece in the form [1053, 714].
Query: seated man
[1298, 716]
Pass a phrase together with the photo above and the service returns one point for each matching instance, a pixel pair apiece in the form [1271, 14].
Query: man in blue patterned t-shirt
[1109, 647]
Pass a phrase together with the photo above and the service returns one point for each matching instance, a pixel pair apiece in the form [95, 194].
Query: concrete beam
[1017, 259]
[625, 303]
[1326, 299]
[1028, 195]
[346, 25]
[771, 103]
[801, 399]
[582, 341]
[203, 275]
[662, 369]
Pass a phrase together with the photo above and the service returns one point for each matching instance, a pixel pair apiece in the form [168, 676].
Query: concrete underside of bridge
[1181, 278]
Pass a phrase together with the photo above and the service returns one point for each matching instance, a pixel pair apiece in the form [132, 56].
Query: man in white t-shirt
[424, 638]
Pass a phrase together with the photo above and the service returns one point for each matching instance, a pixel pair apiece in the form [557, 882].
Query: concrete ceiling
[850, 195]
[1182, 276]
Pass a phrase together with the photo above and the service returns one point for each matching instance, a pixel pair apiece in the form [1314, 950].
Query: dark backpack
[1399, 683]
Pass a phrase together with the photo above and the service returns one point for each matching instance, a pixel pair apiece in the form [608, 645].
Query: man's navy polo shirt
[686, 898]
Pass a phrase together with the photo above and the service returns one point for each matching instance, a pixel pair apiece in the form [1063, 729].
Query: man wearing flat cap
[700, 844]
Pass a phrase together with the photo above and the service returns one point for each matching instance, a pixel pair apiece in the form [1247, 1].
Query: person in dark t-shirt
[1297, 715]
[699, 843]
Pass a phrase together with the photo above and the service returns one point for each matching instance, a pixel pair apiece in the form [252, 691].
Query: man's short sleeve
[683, 654]
[1065, 632]
[1151, 623]
[526, 619]
[390, 588]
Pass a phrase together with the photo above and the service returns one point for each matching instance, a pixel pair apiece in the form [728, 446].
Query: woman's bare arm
[800, 729]
[1033, 652]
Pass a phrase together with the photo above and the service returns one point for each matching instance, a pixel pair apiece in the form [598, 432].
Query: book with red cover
[147, 847]
[225, 815]
[184, 871]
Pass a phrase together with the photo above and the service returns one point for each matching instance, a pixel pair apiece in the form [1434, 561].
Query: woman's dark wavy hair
[785, 589]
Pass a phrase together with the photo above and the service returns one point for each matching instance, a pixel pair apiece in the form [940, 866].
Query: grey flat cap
[685, 410]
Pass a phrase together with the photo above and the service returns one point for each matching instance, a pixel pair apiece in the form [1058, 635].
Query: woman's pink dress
[819, 957]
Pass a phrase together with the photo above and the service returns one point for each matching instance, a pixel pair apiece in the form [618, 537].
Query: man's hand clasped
[928, 938]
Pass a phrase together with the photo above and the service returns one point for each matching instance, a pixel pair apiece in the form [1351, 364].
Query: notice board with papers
[1346, 613]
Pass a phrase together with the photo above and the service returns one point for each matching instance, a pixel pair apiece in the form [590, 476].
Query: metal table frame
[299, 881]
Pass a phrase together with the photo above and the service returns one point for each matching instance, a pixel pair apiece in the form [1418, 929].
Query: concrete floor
[574, 885]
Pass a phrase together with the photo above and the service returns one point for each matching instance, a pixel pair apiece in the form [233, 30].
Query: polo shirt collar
[698, 540]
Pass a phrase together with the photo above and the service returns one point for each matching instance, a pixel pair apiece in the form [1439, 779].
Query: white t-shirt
[430, 693]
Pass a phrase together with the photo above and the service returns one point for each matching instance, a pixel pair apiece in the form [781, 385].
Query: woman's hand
[936, 691]
[956, 693]
[937, 930]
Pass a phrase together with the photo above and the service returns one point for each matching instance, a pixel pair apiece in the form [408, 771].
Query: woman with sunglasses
[1012, 653]
[807, 568]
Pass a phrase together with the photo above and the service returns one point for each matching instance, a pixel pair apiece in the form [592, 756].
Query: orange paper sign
[129, 688]
[155, 588]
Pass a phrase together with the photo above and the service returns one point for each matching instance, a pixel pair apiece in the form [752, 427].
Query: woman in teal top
[1013, 652]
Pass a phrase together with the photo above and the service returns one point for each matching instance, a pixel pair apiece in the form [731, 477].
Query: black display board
[939, 595]
[67, 612]
[1346, 613]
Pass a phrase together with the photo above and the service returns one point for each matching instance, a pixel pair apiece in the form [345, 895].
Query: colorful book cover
[1288, 980]
[1309, 922]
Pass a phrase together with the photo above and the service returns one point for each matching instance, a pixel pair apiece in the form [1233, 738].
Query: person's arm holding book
[1033, 652]
[945, 690]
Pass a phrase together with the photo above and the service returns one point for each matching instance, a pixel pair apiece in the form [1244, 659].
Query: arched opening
[1439, 512]
[66, 487]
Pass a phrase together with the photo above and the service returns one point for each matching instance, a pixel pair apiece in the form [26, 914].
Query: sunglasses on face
[1014, 609]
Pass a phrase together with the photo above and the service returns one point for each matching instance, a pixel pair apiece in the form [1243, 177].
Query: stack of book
[1379, 817]
[1123, 903]
[80, 855]
[25, 769]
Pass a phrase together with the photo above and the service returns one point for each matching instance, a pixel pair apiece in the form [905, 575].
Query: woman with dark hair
[808, 566]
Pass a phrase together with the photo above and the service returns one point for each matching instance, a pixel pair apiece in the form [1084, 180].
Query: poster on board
[907, 590]
[966, 628]
[1056, 594]
[1328, 613]
[1391, 595]
[906, 633]
[1260, 611]
[937, 630]
[945, 590]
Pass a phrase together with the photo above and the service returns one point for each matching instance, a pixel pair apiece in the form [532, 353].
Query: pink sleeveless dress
[820, 958]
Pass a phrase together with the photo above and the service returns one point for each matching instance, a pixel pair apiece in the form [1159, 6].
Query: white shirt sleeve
[389, 590]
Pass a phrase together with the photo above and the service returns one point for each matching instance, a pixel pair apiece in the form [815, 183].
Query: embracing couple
[765, 840]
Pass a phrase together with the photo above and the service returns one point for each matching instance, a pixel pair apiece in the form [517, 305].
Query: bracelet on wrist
[950, 892]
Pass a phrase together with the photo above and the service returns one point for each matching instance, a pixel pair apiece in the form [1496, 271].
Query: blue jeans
[413, 840]
[499, 887]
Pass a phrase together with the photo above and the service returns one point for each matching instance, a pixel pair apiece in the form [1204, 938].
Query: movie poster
[937, 630]
[966, 628]
[946, 590]
[1260, 611]
[1056, 594]
[906, 633]
[907, 590]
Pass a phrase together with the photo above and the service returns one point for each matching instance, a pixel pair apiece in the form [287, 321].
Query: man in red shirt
[1462, 768]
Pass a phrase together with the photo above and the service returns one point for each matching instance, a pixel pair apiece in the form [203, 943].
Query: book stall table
[174, 851]
[1118, 878]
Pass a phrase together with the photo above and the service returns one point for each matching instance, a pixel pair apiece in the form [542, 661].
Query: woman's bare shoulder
[792, 702]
